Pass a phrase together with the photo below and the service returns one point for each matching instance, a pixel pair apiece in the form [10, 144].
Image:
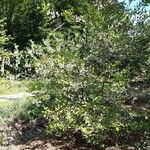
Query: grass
[12, 86]
[6, 104]
[8, 108]
[13, 109]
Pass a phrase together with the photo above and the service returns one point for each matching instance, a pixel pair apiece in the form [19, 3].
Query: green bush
[71, 94]
[84, 77]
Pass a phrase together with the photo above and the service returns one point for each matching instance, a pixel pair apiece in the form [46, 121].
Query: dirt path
[36, 145]
[14, 97]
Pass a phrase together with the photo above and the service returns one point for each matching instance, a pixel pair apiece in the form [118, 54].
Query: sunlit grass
[12, 86]
[5, 104]
[8, 108]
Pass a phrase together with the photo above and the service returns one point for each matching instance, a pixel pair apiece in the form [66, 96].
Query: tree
[146, 1]
[90, 60]
[86, 70]
[4, 53]
[23, 19]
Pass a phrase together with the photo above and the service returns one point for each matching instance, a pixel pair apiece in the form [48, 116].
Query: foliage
[146, 1]
[23, 20]
[92, 59]
[5, 55]
[84, 78]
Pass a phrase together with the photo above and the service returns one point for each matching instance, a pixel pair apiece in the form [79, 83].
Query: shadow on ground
[21, 135]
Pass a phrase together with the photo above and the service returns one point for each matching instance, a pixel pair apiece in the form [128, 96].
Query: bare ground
[20, 135]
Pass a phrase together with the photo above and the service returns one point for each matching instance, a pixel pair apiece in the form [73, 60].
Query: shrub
[83, 79]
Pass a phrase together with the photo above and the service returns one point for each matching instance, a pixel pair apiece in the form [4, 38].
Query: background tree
[5, 54]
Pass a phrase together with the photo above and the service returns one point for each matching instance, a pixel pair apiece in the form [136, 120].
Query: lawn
[12, 86]
[9, 108]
